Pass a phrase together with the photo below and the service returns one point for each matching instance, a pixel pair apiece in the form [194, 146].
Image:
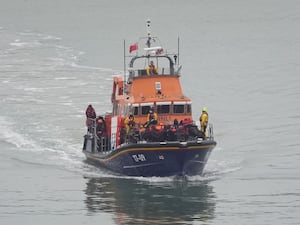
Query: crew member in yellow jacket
[129, 123]
[151, 118]
[204, 120]
[152, 69]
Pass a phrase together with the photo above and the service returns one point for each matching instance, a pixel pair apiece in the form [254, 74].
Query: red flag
[133, 47]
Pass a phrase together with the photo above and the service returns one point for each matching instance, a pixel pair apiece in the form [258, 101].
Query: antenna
[149, 33]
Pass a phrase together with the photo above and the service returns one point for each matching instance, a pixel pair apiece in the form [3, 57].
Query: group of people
[129, 122]
[152, 120]
[92, 122]
[152, 131]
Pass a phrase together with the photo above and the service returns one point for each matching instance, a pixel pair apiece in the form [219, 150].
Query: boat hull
[154, 159]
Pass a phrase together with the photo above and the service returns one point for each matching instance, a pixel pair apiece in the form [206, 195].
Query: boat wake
[8, 135]
[57, 155]
[215, 170]
[42, 82]
[68, 156]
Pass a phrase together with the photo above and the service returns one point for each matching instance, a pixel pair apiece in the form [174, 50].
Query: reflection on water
[140, 202]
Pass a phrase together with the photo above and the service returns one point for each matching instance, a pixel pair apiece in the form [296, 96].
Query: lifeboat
[150, 130]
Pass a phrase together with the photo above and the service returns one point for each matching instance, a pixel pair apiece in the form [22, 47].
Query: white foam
[218, 168]
[9, 135]
[75, 65]
[18, 44]
[67, 103]
[33, 89]
[50, 37]
[65, 78]
[63, 153]
[94, 172]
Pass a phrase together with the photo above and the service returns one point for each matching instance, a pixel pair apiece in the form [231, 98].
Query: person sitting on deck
[151, 118]
[152, 69]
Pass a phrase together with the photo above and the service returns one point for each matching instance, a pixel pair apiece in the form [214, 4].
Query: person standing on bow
[204, 120]
[152, 69]
[90, 117]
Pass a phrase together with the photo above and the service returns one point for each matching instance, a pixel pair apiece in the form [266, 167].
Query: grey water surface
[240, 59]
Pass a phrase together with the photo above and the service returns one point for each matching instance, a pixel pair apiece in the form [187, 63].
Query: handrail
[210, 132]
[171, 63]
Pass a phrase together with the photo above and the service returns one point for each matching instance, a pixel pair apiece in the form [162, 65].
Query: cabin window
[145, 109]
[158, 87]
[163, 109]
[135, 110]
[178, 109]
[188, 108]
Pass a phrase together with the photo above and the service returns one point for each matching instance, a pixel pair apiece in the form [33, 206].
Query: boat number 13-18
[139, 158]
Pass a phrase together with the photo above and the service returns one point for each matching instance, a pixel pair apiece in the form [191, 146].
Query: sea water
[240, 59]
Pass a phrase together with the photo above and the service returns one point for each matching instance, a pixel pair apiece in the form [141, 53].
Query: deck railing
[210, 133]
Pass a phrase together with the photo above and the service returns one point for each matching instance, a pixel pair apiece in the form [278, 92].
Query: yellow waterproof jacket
[153, 116]
[151, 70]
[204, 119]
[129, 124]
[126, 121]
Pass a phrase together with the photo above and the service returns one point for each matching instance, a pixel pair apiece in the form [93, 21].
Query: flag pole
[178, 50]
[124, 65]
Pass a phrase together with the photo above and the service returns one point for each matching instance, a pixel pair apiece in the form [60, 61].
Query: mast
[149, 33]
[178, 50]
[124, 65]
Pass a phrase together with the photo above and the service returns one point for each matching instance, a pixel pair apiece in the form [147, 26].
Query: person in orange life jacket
[152, 69]
[204, 120]
[129, 123]
[159, 127]
[151, 118]
[90, 115]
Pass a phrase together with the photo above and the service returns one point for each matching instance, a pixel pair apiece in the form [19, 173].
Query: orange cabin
[142, 92]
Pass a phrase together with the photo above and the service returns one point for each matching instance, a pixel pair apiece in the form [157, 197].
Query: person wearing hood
[204, 120]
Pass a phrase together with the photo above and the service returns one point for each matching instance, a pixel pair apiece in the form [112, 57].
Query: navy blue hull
[154, 159]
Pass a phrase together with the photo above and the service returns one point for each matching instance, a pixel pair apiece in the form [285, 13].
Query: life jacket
[159, 127]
